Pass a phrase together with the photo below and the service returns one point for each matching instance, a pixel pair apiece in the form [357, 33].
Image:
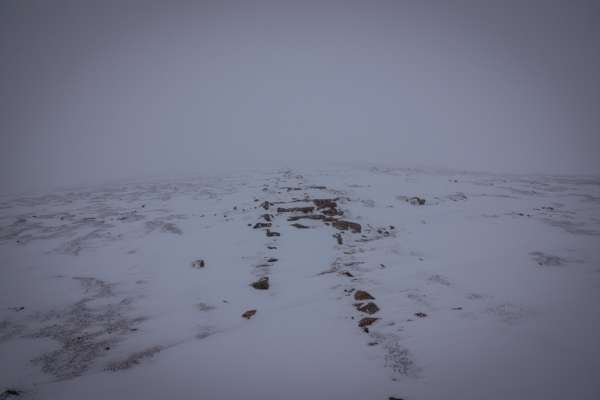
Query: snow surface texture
[488, 290]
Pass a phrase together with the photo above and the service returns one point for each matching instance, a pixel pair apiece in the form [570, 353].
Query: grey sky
[93, 90]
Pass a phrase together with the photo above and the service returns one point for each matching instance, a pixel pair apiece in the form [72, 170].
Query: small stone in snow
[362, 295]
[248, 314]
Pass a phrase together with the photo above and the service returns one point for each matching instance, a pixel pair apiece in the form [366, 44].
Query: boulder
[248, 314]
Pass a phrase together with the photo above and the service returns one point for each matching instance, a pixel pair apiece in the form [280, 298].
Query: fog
[102, 90]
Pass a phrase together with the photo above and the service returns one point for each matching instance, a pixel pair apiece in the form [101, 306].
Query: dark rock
[271, 234]
[346, 273]
[299, 226]
[339, 239]
[361, 295]
[305, 210]
[198, 264]
[10, 393]
[367, 321]
[265, 205]
[325, 203]
[369, 308]
[272, 247]
[332, 212]
[345, 225]
[457, 308]
[416, 201]
[261, 284]
[260, 225]
[420, 314]
[313, 216]
[272, 260]
[267, 217]
[249, 314]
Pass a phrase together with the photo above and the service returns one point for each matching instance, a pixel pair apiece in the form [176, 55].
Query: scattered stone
[346, 273]
[272, 260]
[249, 314]
[373, 343]
[261, 284]
[369, 308]
[300, 226]
[271, 234]
[396, 398]
[265, 205]
[416, 201]
[457, 308]
[361, 295]
[17, 309]
[272, 247]
[420, 314]
[198, 264]
[318, 187]
[304, 210]
[345, 225]
[260, 225]
[367, 321]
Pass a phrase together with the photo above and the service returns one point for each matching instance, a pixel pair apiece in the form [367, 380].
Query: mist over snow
[105, 90]
[299, 200]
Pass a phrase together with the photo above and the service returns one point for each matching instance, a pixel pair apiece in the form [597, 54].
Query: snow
[505, 267]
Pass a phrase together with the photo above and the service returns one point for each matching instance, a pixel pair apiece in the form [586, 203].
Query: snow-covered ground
[488, 290]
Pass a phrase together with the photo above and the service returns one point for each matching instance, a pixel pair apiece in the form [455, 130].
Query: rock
[346, 273]
[265, 205]
[313, 216]
[332, 212]
[271, 234]
[338, 237]
[416, 201]
[345, 225]
[299, 226]
[261, 284]
[457, 308]
[304, 210]
[369, 308]
[272, 260]
[260, 225]
[272, 247]
[249, 314]
[10, 393]
[395, 398]
[325, 203]
[367, 321]
[198, 264]
[420, 314]
[266, 217]
[361, 295]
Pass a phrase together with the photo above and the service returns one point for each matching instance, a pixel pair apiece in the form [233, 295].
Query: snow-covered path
[488, 290]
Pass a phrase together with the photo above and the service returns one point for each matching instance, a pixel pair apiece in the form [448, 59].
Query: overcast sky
[95, 90]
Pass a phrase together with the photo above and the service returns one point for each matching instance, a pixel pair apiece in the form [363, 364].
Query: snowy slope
[488, 290]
